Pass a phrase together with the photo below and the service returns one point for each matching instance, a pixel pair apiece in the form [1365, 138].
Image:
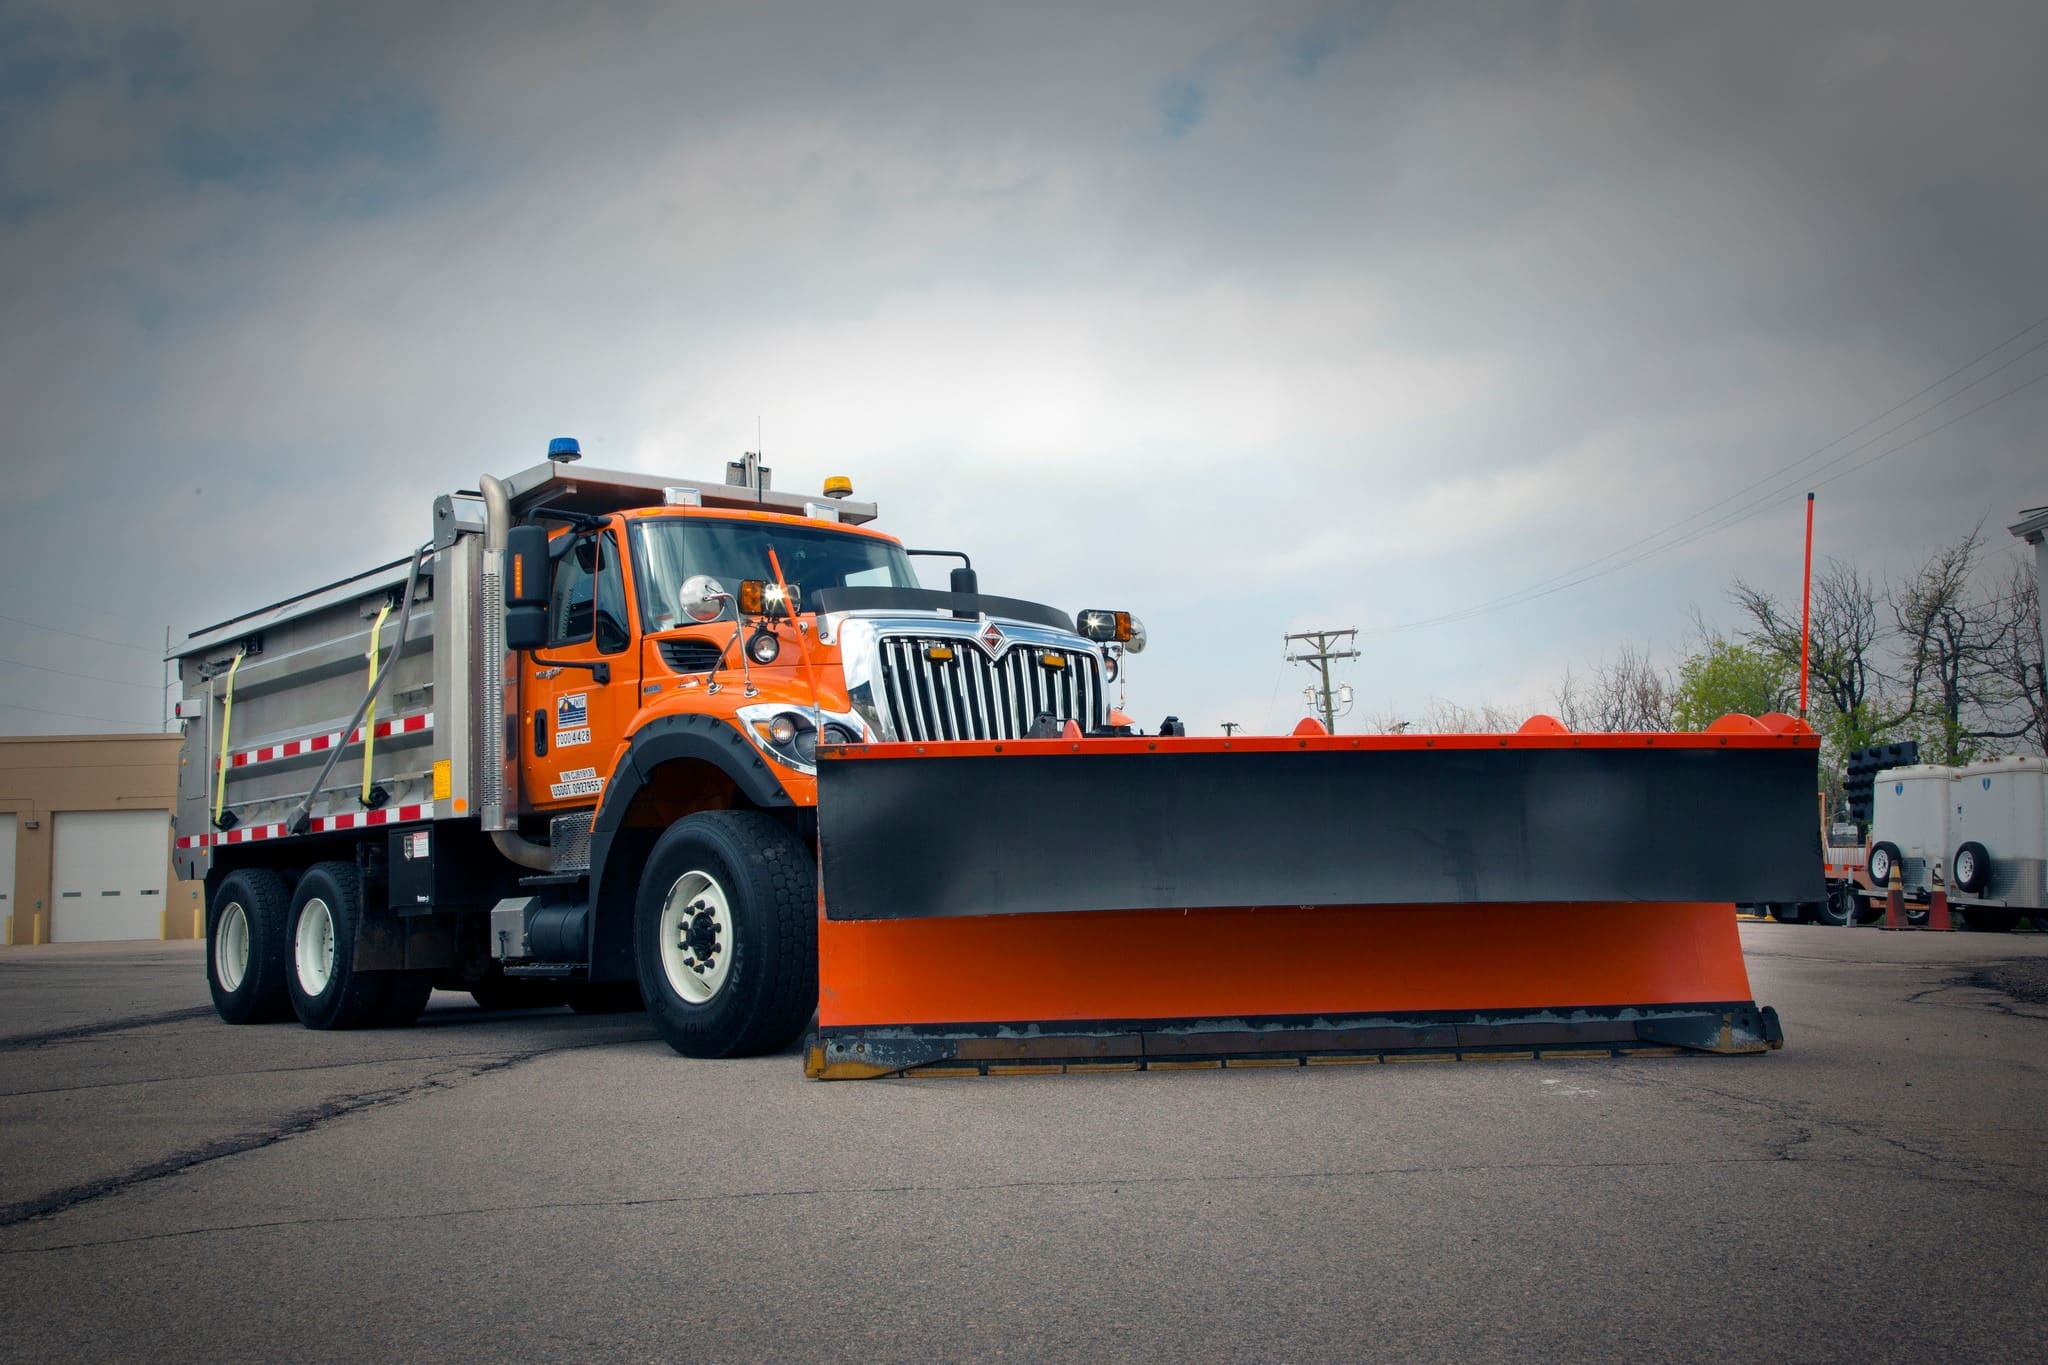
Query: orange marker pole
[803, 642]
[1806, 607]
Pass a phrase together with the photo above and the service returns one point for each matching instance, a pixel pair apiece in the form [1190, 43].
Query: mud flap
[1151, 902]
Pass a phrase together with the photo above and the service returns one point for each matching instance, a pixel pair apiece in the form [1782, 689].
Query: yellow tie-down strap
[227, 718]
[370, 716]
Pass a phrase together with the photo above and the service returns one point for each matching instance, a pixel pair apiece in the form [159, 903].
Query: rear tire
[725, 934]
[327, 991]
[245, 947]
[1884, 859]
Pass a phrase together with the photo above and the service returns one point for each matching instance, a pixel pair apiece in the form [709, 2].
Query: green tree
[1724, 677]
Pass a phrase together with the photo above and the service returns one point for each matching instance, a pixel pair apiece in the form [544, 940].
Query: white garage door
[109, 874]
[7, 872]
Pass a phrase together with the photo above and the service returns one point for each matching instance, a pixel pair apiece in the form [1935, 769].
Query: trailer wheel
[327, 991]
[1884, 857]
[245, 947]
[1839, 908]
[1972, 866]
[726, 937]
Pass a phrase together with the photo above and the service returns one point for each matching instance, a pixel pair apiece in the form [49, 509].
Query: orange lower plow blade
[1296, 985]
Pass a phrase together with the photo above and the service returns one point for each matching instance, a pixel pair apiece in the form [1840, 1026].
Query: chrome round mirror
[702, 598]
[1136, 644]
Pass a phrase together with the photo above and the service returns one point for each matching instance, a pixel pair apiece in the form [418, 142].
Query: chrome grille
[971, 696]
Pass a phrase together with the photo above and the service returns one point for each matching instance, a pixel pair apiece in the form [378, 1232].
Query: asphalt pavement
[542, 1186]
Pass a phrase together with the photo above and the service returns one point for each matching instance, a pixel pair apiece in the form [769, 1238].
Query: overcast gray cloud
[1248, 319]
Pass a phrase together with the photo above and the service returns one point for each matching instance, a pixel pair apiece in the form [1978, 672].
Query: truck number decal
[577, 782]
[572, 720]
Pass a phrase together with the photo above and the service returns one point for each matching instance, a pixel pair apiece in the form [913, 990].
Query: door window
[588, 597]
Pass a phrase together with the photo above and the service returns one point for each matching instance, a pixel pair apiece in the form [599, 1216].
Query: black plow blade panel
[1027, 833]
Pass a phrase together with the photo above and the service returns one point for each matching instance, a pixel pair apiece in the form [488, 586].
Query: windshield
[667, 550]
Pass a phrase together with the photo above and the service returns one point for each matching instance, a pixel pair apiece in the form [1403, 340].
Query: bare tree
[1949, 639]
[2012, 686]
[1443, 717]
[1843, 659]
[1627, 693]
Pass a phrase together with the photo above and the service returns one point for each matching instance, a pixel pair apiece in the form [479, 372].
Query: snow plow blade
[1123, 904]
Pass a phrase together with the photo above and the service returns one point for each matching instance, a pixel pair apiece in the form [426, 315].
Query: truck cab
[607, 795]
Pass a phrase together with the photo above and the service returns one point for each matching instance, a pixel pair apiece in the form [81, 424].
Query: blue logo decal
[1987, 784]
[572, 712]
[1898, 789]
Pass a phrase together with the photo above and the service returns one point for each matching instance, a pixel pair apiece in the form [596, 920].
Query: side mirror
[702, 598]
[964, 581]
[526, 567]
[526, 628]
[526, 588]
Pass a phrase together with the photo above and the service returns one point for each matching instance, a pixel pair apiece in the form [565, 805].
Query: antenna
[761, 488]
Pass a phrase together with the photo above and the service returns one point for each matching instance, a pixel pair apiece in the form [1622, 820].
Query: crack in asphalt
[1933, 1165]
[291, 1125]
[286, 1070]
[23, 1041]
[977, 1187]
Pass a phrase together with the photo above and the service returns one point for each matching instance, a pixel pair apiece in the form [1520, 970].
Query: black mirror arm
[600, 671]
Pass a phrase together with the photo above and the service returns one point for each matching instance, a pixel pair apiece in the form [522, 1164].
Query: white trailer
[1999, 835]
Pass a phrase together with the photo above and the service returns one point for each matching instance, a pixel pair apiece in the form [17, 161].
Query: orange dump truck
[618, 741]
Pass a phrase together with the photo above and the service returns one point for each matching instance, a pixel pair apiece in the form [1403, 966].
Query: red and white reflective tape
[313, 744]
[324, 824]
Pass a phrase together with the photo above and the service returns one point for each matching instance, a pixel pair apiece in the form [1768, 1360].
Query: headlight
[791, 737]
[1112, 627]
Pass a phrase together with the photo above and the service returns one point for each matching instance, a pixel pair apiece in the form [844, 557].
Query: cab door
[571, 722]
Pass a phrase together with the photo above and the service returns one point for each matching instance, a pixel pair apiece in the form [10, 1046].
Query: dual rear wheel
[274, 952]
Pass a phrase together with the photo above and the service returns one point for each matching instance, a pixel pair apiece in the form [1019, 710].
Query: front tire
[327, 991]
[725, 934]
[245, 947]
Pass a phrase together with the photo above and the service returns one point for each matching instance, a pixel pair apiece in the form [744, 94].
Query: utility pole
[1324, 699]
[1231, 727]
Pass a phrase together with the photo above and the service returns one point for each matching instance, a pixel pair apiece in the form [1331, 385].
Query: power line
[79, 635]
[89, 677]
[1740, 514]
[1578, 574]
[74, 715]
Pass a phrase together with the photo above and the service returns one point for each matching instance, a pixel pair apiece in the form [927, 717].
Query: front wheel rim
[231, 947]
[314, 947]
[1966, 870]
[696, 937]
[1880, 868]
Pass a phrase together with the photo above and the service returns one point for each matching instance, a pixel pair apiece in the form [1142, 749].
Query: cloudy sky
[1249, 318]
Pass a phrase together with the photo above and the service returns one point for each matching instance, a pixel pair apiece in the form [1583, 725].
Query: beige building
[85, 840]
